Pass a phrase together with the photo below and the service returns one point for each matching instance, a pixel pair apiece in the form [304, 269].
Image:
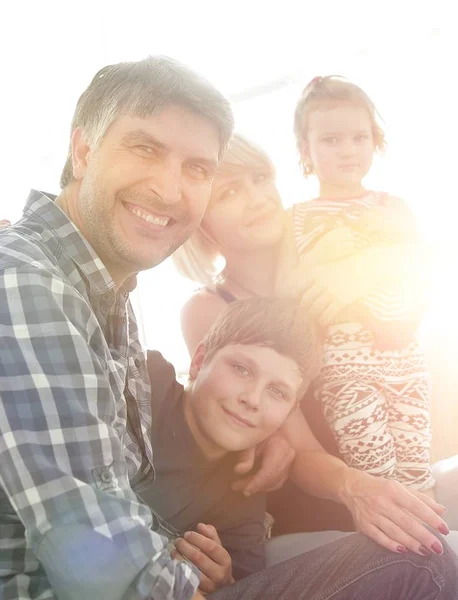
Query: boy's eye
[277, 392]
[331, 141]
[240, 369]
[362, 137]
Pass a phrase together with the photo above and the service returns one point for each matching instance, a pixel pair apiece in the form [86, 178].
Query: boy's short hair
[275, 323]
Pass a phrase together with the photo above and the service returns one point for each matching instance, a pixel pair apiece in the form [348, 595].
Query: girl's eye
[240, 369]
[260, 178]
[331, 141]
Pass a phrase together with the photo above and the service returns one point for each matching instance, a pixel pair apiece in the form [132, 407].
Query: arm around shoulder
[198, 315]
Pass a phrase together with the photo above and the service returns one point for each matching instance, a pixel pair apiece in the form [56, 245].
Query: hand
[277, 458]
[4, 223]
[392, 515]
[204, 549]
[333, 286]
[334, 245]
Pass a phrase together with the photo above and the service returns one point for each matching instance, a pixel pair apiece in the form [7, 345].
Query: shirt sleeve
[61, 458]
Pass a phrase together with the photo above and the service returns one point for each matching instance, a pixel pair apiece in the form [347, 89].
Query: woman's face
[245, 211]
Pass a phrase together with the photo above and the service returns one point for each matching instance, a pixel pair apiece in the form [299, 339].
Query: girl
[374, 385]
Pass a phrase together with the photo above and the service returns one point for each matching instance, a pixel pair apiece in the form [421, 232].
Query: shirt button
[137, 363]
[106, 477]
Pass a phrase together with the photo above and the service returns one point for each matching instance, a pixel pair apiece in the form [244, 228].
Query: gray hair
[141, 89]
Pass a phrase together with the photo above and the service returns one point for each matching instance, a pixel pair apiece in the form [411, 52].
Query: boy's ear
[197, 361]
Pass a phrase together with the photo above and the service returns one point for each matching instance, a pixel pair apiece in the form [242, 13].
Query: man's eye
[198, 171]
[145, 150]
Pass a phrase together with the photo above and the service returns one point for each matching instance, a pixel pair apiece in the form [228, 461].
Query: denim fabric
[354, 568]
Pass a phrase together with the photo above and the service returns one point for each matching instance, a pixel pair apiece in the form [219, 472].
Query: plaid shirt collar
[42, 207]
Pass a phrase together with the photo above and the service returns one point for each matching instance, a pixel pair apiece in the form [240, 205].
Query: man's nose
[165, 181]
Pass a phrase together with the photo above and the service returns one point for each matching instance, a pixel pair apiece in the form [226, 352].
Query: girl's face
[340, 146]
[245, 211]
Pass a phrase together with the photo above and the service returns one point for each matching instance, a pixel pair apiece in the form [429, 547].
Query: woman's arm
[384, 510]
[198, 315]
[293, 270]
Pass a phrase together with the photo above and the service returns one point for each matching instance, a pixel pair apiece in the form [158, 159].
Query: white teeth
[149, 218]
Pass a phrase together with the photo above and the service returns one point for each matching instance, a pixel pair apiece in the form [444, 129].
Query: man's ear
[197, 361]
[80, 152]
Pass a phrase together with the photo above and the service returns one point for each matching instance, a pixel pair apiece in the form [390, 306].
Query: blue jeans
[353, 568]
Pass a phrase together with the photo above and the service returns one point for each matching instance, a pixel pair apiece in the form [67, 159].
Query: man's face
[239, 397]
[144, 189]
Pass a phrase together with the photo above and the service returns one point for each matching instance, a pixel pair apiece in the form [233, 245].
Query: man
[75, 412]
[146, 140]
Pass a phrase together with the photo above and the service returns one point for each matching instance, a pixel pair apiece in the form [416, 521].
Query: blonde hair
[325, 92]
[200, 258]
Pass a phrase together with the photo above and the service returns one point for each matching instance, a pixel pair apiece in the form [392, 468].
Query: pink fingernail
[437, 547]
[443, 529]
[402, 549]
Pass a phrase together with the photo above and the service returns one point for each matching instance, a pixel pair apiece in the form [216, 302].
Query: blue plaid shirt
[75, 419]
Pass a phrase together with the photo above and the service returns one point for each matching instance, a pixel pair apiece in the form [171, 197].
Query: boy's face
[239, 397]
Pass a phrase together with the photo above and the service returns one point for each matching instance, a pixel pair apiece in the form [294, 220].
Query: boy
[245, 379]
